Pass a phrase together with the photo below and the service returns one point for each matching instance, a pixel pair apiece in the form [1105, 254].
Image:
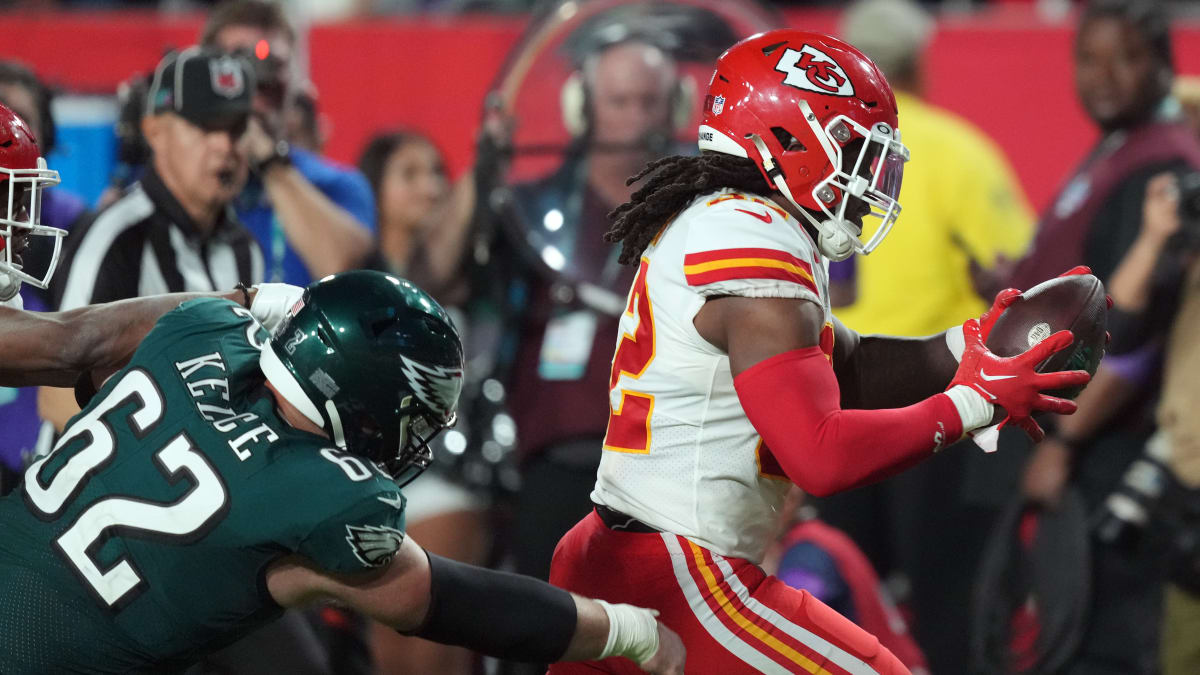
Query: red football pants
[732, 617]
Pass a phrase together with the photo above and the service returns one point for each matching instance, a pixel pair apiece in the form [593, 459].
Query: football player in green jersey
[225, 473]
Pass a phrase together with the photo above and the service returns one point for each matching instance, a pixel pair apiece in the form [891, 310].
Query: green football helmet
[375, 362]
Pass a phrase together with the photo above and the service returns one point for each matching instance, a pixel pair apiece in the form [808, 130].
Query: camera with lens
[132, 150]
[1123, 517]
[270, 74]
[1189, 211]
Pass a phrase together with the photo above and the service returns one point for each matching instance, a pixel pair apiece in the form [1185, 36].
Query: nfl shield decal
[718, 105]
[227, 77]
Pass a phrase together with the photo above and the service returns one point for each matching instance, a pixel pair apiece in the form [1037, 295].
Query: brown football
[1076, 303]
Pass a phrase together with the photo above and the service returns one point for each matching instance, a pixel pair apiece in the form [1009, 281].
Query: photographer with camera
[1156, 291]
[313, 217]
[1124, 71]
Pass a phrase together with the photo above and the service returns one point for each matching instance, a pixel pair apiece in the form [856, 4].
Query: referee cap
[207, 87]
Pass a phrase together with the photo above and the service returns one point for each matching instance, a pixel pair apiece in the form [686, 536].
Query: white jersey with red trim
[680, 454]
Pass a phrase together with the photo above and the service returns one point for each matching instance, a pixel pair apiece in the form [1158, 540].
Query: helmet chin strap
[9, 286]
[335, 424]
[832, 240]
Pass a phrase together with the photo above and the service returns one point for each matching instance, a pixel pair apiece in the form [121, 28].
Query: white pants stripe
[748, 653]
[818, 644]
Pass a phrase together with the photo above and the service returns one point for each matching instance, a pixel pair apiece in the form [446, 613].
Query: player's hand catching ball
[1013, 383]
[1004, 299]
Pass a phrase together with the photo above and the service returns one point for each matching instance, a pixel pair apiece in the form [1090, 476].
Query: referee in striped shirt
[173, 230]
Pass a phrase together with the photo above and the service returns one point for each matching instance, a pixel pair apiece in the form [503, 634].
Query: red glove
[1013, 383]
[1078, 269]
[1084, 269]
[1004, 300]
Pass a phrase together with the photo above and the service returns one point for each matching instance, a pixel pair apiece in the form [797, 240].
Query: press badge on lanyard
[567, 345]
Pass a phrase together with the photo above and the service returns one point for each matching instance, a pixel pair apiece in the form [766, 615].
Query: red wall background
[1005, 70]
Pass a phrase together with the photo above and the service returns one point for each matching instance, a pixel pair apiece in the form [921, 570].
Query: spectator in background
[1156, 288]
[131, 151]
[1156, 293]
[29, 98]
[927, 526]
[553, 351]
[559, 377]
[1123, 74]
[422, 221]
[408, 177]
[965, 208]
[312, 216]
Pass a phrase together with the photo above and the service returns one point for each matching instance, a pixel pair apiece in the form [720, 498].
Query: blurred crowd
[1079, 555]
[344, 9]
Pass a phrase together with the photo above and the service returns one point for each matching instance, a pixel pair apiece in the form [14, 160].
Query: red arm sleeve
[792, 399]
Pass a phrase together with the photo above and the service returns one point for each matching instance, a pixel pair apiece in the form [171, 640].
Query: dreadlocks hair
[674, 182]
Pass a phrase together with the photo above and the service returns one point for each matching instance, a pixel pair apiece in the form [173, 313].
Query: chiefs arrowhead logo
[374, 546]
[814, 70]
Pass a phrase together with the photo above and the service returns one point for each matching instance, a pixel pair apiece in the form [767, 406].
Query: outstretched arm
[883, 371]
[55, 348]
[495, 613]
[789, 391]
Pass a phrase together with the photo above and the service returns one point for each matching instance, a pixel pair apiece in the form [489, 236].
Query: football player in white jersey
[732, 379]
[23, 176]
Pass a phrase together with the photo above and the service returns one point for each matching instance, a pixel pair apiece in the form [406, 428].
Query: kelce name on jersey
[207, 388]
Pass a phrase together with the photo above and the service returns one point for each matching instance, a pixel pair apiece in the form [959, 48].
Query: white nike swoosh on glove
[992, 378]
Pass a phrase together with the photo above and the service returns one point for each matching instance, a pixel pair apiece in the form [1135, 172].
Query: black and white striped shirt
[146, 244]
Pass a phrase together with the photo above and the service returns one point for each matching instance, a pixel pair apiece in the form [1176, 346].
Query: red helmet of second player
[819, 119]
[23, 176]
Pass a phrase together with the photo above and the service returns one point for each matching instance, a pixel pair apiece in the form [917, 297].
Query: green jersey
[143, 539]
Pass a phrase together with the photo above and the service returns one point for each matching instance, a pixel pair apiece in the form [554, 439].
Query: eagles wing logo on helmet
[814, 70]
[437, 387]
[373, 545]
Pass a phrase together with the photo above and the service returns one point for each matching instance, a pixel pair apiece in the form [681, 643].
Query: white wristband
[955, 342]
[632, 632]
[973, 409]
[272, 302]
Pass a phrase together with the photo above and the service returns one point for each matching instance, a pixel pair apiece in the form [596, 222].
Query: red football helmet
[23, 176]
[819, 120]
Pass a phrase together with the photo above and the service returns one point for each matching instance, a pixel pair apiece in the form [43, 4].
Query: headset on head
[573, 99]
